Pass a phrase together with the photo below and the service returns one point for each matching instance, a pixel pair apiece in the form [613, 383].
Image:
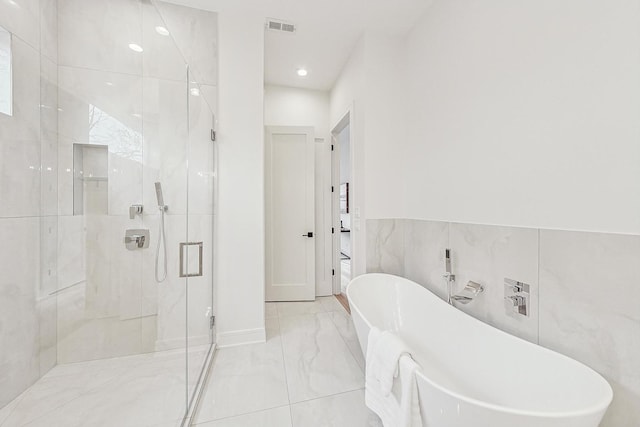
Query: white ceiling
[327, 31]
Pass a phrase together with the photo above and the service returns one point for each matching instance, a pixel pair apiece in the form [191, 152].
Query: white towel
[390, 386]
[385, 349]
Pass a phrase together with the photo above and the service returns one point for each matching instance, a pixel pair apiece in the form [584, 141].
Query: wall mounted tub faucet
[470, 291]
[448, 276]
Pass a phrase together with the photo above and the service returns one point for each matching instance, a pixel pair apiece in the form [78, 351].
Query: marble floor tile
[317, 360]
[276, 417]
[245, 379]
[135, 391]
[340, 410]
[7, 410]
[344, 324]
[330, 303]
[356, 351]
[297, 308]
[308, 356]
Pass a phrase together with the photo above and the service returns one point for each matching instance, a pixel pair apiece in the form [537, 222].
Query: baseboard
[241, 337]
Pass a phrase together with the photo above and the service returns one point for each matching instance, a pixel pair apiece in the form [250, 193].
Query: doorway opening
[342, 205]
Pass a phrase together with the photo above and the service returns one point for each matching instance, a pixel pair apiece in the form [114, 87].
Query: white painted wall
[287, 106]
[240, 222]
[347, 97]
[369, 86]
[525, 113]
[385, 129]
[519, 114]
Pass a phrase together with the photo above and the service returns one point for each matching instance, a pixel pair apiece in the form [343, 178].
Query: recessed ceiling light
[135, 47]
[108, 83]
[195, 91]
[302, 72]
[162, 31]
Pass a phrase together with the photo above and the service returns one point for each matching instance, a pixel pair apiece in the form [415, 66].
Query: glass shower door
[124, 126]
[200, 243]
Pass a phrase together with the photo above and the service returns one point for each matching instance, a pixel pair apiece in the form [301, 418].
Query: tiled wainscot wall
[585, 289]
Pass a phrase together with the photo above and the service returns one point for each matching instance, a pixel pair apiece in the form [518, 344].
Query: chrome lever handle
[136, 238]
[516, 300]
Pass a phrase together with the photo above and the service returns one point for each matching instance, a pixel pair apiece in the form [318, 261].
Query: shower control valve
[135, 210]
[136, 239]
[516, 296]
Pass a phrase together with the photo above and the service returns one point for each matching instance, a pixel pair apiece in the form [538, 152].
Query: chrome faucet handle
[139, 240]
[516, 286]
[136, 239]
[516, 300]
[135, 210]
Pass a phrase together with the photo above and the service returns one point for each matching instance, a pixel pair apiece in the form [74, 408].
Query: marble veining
[141, 390]
[110, 25]
[22, 19]
[425, 243]
[317, 359]
[488, 254]
[590, 285]
[195, 32]
[385, 246]
[305, 375]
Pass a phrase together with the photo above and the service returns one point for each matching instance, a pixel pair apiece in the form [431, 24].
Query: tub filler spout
[470, 291]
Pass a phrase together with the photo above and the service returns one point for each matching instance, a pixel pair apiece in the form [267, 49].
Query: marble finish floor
[309, 373]
[146, 390]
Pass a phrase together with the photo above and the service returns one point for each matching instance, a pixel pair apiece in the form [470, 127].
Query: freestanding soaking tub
[472, 374]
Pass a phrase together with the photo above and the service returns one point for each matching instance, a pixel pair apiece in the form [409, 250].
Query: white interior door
[290, 206]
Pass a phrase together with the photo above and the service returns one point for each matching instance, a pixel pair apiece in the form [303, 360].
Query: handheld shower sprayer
[159, 196]
[162, 240]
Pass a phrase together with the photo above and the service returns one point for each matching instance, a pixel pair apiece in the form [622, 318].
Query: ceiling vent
[275, 25]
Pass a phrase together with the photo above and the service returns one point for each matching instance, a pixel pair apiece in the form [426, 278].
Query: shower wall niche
[90, 179]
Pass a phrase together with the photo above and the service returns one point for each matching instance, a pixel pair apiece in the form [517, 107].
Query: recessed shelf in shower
[90, 179]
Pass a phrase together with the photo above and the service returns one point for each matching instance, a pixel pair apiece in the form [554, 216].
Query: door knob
[309, 234]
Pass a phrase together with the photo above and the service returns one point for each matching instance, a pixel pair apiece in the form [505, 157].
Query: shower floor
[146, 390]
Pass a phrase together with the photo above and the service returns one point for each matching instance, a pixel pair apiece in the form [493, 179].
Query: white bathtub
[474, 375]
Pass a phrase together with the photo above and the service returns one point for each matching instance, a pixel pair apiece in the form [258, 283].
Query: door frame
[304, 295]
[346, 120]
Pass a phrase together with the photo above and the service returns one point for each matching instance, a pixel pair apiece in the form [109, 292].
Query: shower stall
[107, 203]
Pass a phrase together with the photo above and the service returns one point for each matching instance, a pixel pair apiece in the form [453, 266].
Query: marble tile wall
[70, 290]
[589, 293]
[28, 199]
[585, 288]
[135, 103]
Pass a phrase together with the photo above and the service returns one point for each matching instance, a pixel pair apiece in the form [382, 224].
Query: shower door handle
[184, 259]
